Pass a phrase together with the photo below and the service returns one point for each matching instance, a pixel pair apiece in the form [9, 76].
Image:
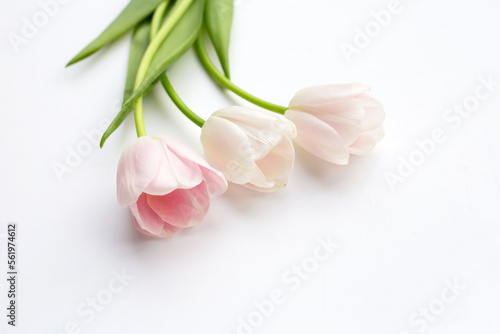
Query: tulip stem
[224, 81]
[179, 103]
[179, 8]
[157, 17]
[155, 25]
[139, 117]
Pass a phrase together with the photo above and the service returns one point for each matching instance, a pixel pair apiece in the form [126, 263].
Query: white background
[397, 247]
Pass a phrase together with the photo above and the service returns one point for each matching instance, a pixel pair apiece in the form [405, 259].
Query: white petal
[375, 113]
[235, 139]
[367, 141]
[318, 138]
[257, 120]
[346, 117]
[228, 149]
[276, 166]
[326, 94]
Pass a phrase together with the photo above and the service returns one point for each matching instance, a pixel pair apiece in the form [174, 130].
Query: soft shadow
[329, 174]
[244, 199]
[147, 252]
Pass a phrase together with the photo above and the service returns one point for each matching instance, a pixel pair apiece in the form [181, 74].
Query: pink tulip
[334, 121]
[250, 147]
[165, 185]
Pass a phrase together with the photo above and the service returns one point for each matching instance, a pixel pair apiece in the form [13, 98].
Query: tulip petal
[173, 174]
[168, 230]
[276, 166]
[182, 207]
[237, 139]
[138, 166]
[148, 220]
[346, 117]
[216, 182]
[263, 128]
[258, 127]
[228, 149]
[318, 138]
[326, 94]
[257, 119]
[375, 113]
[367, 141]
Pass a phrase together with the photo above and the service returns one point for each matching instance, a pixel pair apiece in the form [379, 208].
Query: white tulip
[250, 147]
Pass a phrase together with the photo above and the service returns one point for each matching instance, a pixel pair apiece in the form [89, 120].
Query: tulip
[250, 147]
[166, 185]
[334, 121]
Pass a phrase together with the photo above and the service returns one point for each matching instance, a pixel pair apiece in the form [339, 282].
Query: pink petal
[168, 231]
[173, 174]
[148, 222]
[216, 182]
[326, 94]
[138, 166]
[318, 138]
[182, 207]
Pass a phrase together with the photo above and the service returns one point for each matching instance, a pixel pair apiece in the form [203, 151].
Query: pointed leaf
[139, 44]
[140, 41]
[218, 20]
[135, 12]
[180, 39]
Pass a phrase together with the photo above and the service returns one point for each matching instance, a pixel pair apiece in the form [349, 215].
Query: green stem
[139, 117]
[210, 67]
[157, 17]
[155, 24]
[176, 13]
[179, 103]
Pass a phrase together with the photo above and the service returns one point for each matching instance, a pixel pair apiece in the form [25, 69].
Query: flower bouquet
[166, 185]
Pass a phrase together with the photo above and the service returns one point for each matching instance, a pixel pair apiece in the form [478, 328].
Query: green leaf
[139, 44]
[135, 12]
[218, 20]
[140, 41]
[180, 39]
